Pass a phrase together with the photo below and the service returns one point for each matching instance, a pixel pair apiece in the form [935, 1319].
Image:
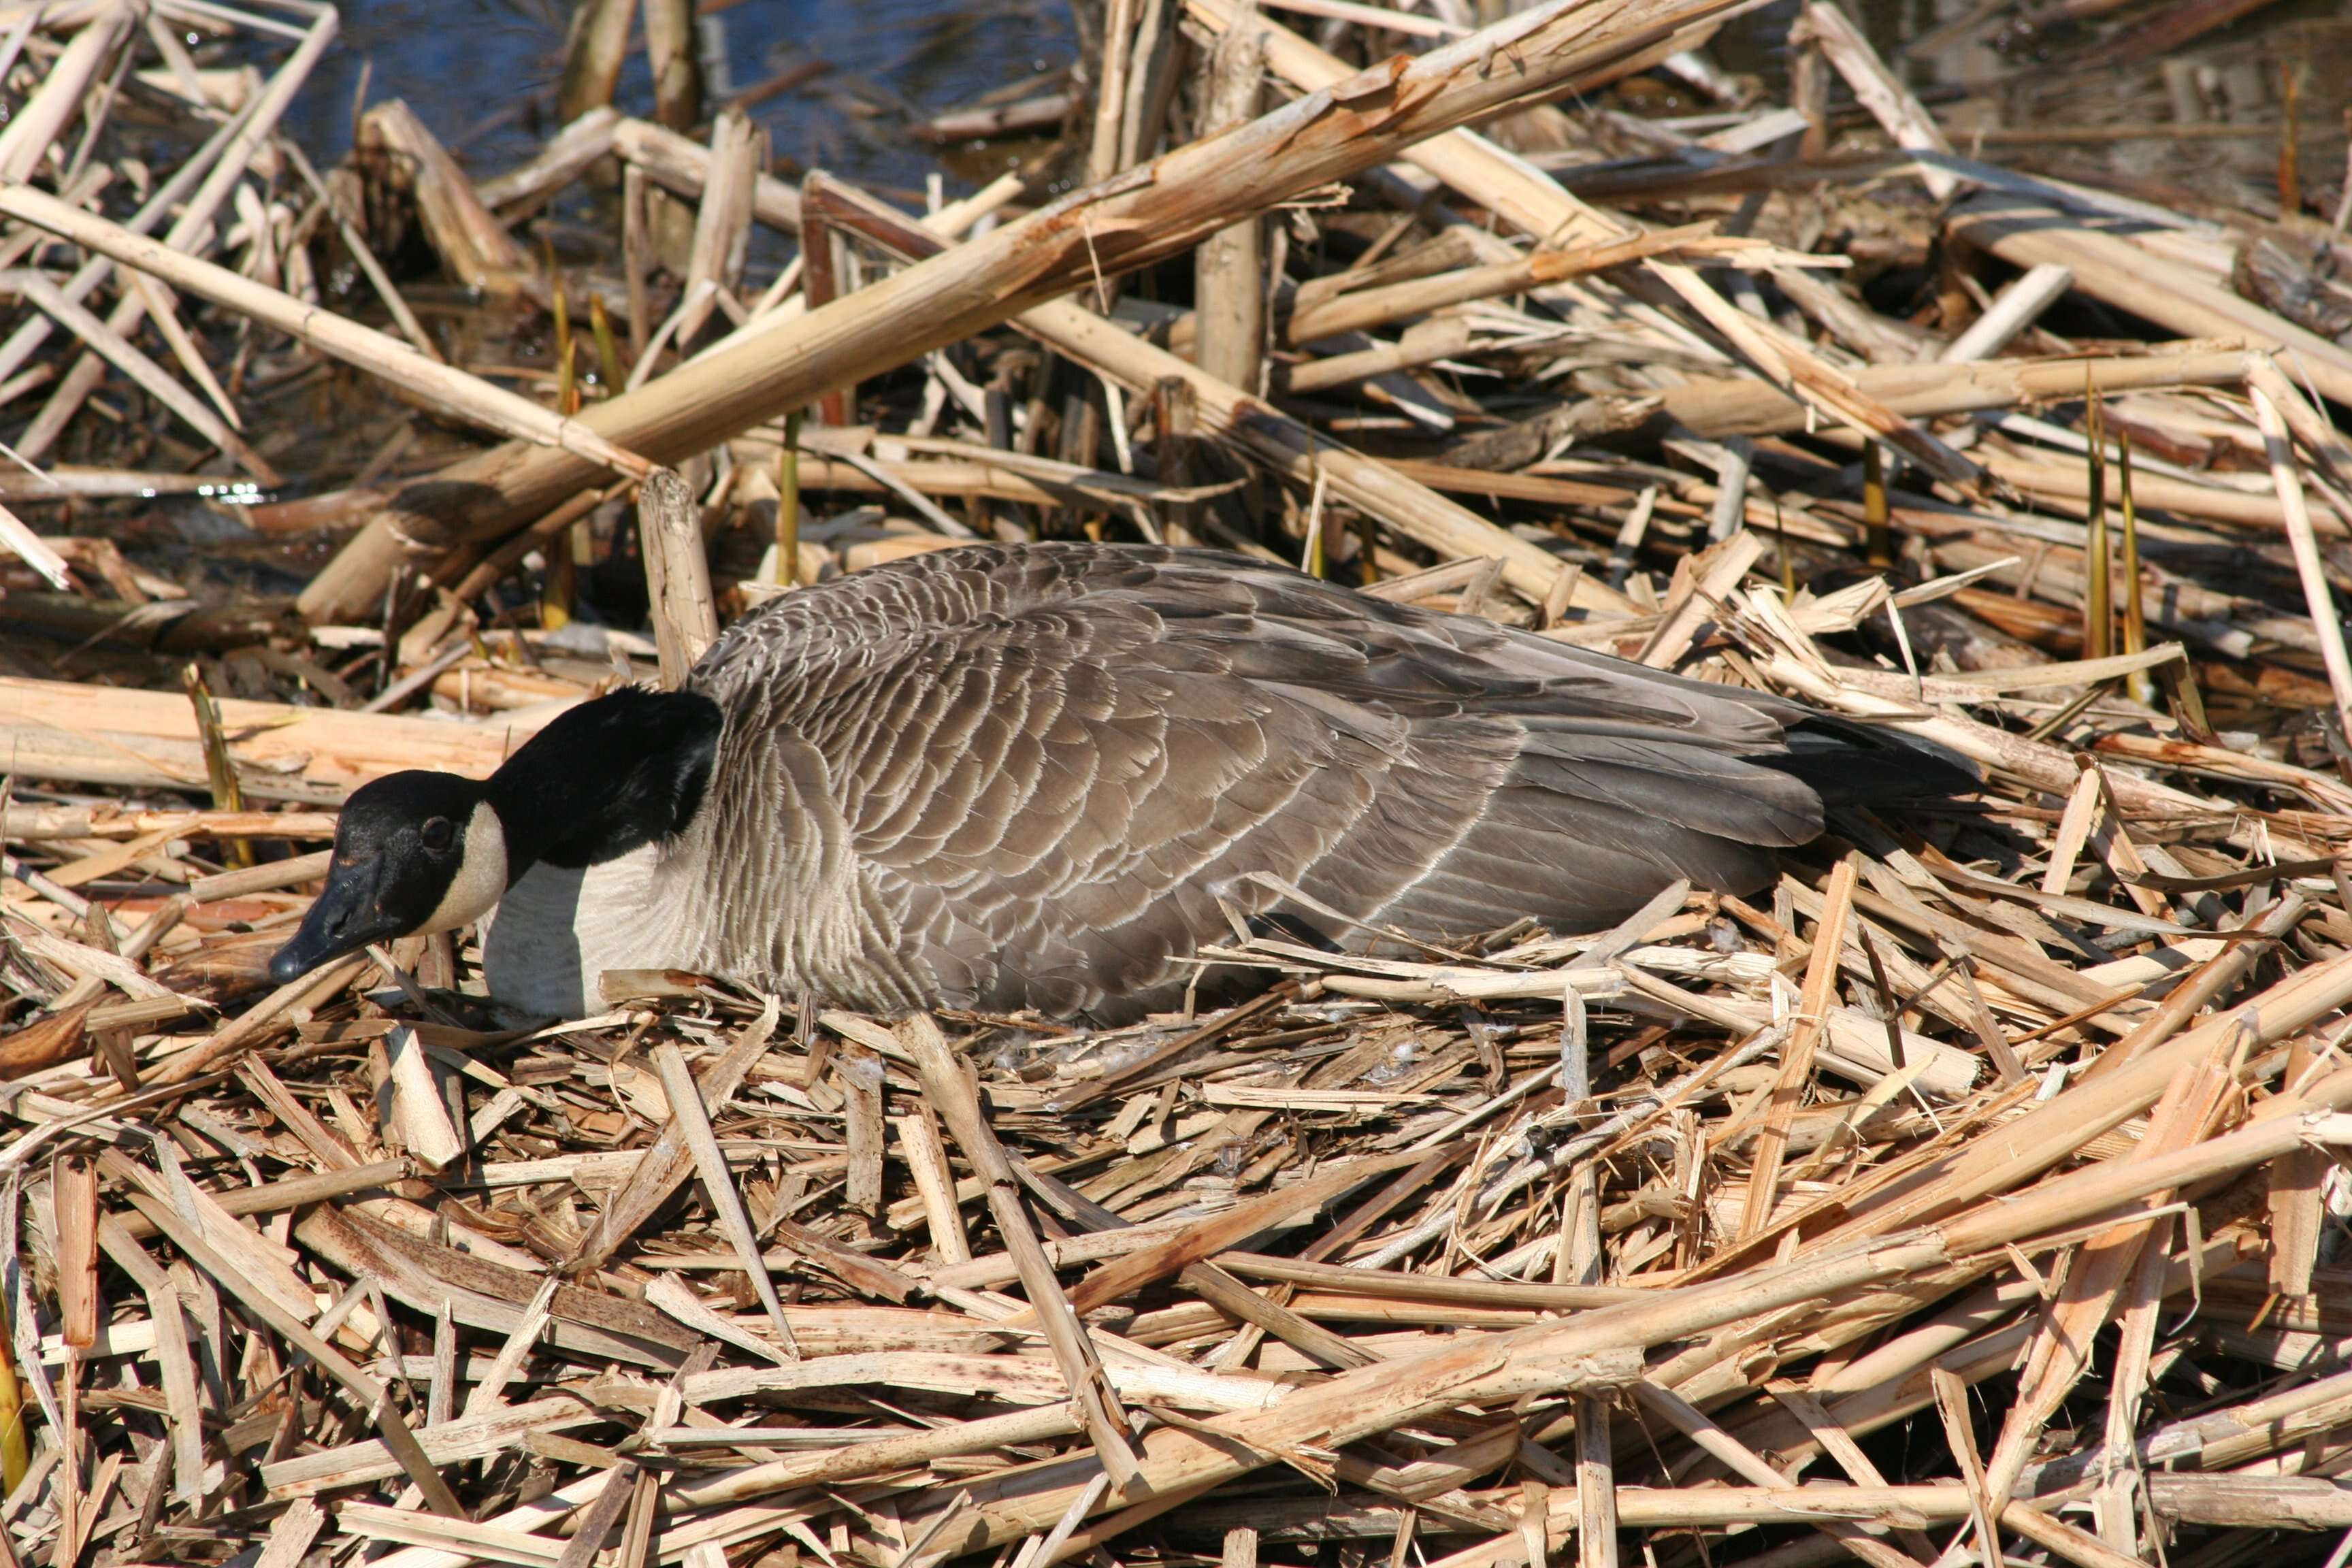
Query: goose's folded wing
[1056, 808]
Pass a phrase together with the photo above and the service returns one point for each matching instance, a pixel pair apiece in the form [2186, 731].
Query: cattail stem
[788, 504]
[567, 373]
[608, 349]
[2142, 689]
[2289, 180]
[1879, 539]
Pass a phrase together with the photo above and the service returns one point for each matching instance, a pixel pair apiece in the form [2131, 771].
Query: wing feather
[1040, 776]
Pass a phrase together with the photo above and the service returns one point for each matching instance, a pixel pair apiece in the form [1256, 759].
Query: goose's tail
[1854, 764]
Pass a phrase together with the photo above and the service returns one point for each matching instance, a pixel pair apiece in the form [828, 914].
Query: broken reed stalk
[1595, 1352]
[1829, 29]
[1796, 1056]
[2029, 1144]
[2025, 233]
[364, 256]
[228, 795]
[666, 1163]
[2098, 614]
[453, 390]
[1287, 446]
[1160, 211]
[1359, 309]
[371, 1395]
[1785, 359]
[1228, 269]
[677, 570]
[2304, 542]
[693, 1124]
[951, 1096]
[1523, 196]
[1720, 407]
[150, 377]
[593, 51]
[722, 222]
[2016, 308]
[59, 95]
[471, 242]
[1112, 87]
[237, 147]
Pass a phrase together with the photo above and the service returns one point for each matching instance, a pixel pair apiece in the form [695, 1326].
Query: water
[482, 73]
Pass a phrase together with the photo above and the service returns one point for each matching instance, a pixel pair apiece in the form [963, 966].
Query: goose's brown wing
[1057, 768]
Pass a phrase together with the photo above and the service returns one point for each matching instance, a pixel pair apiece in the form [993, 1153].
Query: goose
[1044, 776]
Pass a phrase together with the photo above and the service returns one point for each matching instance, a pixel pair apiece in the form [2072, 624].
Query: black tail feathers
[1854, 764]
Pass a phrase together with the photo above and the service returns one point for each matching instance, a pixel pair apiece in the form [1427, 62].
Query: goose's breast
[559, 927]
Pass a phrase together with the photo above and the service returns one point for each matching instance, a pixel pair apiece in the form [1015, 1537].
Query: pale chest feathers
[764, 919]
[558, 929]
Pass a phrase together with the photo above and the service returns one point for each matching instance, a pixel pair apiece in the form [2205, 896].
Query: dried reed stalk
[1129, 221]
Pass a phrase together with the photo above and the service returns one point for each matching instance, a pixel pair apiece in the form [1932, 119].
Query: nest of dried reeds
[1973, 1196]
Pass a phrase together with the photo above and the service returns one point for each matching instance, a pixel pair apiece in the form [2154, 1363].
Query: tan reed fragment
[452, 389]
[950, 1095]
[1796, 1055]
[2304, 540]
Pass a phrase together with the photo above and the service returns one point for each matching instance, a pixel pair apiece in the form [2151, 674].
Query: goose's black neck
[606, 777]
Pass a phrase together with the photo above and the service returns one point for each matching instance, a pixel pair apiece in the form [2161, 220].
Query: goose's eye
[438, 834]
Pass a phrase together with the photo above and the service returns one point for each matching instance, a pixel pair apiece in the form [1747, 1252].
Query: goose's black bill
[346, 918]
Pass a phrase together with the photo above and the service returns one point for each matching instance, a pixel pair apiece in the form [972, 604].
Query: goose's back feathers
[1041, 776]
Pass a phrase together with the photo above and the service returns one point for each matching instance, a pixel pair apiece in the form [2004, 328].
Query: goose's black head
[418, 852]
[414, 852]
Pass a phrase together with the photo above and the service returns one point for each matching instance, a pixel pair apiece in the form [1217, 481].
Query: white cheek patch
[481, 878]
